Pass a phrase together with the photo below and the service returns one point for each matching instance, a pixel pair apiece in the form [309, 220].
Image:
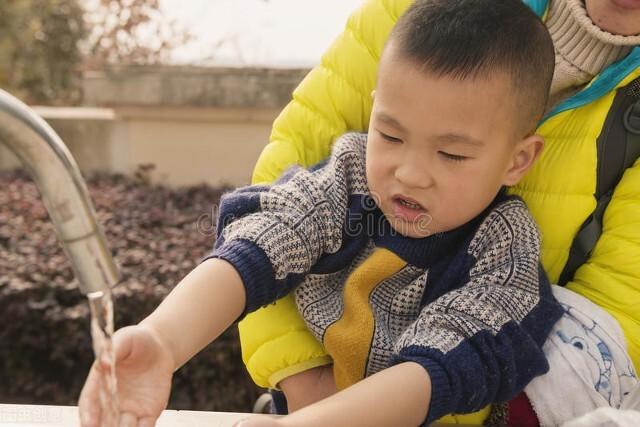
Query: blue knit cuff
[255, 270]
[441, 398]
[440, 403]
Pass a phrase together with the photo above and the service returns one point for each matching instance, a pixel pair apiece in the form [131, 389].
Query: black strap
[618, 149]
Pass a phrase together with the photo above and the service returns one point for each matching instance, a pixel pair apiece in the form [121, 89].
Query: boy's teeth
[409, 204]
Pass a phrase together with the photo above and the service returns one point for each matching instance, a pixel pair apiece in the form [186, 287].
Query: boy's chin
[412, 229]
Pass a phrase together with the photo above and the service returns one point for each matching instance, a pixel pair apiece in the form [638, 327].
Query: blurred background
[46, 45]
[164, 105]
[272, 33]
[138, 77]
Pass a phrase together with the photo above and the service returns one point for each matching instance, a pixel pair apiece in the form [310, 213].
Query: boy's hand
[144, 367]
[147, 354]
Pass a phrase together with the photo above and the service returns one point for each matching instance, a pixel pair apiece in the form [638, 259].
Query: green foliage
[39, 53]
[46, 44]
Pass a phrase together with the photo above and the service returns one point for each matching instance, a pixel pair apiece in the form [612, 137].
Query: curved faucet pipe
[63, 189]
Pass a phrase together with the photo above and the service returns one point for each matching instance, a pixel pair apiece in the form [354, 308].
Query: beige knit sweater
[582, 48]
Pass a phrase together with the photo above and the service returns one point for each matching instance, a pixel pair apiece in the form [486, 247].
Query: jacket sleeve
[482, 343]
[275, 235]
[611, 277]
[333, 98]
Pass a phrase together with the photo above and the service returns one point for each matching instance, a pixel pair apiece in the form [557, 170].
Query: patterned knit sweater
[471, 305]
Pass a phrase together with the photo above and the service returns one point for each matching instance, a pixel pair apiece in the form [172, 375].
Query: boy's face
[439, 148]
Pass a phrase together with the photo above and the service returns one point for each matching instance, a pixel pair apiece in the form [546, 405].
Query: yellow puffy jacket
[335, 97]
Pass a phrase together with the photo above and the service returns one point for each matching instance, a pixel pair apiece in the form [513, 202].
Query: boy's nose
[413, 174]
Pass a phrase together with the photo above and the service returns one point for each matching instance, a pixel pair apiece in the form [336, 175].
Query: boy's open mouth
[407, 209]
[408, 202]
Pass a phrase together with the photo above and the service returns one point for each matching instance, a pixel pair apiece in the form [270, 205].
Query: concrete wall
[193, 124]
[166, 86]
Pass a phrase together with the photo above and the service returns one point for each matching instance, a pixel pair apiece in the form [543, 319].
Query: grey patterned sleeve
[295, 223]
[482, 343]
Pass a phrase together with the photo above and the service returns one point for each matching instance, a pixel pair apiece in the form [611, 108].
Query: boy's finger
[89, 402]
[104, 363]
[127, 419]
[146, 422]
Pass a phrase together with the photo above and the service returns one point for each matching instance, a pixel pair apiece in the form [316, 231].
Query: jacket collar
[610, 78]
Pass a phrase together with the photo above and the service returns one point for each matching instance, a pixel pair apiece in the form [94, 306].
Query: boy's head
[461, 87]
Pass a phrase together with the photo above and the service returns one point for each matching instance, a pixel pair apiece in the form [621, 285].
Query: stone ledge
[74, 113]
[187, 145]
[191, 86]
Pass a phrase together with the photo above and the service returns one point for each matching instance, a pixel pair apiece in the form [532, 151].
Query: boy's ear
[524, 155]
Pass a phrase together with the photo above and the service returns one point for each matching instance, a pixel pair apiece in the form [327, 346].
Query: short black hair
[471, 38]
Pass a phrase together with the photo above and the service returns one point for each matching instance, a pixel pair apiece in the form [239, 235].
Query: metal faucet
[58, 178]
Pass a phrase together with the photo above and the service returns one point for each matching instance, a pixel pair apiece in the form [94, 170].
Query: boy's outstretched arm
[270, 238]
[396, 396]
[202, 306]
[197, 310]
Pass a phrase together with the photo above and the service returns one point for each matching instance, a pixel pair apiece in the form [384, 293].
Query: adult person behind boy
[596, 45]
[445, 305]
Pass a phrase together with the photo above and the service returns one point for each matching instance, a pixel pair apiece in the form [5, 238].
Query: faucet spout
[64, 191]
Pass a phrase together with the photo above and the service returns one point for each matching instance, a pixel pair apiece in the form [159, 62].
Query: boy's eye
[452, 157]
[389, 137]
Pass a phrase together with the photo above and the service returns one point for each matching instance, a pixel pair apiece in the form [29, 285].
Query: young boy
[409, 262]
